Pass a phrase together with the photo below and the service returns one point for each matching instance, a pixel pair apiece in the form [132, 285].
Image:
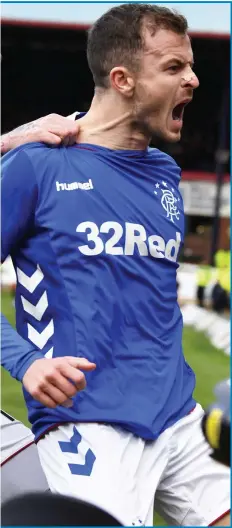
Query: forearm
[16, 137]
[17, 354]
[51, 129]
[5, 143]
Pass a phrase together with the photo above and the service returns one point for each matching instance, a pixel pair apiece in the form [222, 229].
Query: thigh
[154, 463]
[96, 463]
[194, 490]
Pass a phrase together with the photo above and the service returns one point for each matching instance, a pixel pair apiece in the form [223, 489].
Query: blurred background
[44, 70]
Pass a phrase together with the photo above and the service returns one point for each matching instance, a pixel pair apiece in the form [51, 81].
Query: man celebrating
[94, 234]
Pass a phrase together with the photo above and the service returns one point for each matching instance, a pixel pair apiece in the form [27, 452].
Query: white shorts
[129, 477]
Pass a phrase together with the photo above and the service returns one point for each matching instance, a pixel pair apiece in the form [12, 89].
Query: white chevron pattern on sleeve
[37, 310]
[49, 353]
[40, 338]
[30, 283]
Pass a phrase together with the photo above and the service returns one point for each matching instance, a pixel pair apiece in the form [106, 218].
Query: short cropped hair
[116, 38]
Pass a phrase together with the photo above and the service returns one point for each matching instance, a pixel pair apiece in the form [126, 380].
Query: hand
[54, 381]
[52, 129]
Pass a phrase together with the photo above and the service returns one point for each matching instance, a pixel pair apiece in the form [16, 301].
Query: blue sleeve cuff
[29, 359]
[17, 354]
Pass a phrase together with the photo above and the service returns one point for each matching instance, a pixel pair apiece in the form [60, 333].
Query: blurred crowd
[213, 283]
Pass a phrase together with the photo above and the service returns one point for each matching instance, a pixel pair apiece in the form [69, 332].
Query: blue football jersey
[94, 236]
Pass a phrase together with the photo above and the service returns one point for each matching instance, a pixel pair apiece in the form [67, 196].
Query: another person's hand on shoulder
[54, 381]
[52, 129]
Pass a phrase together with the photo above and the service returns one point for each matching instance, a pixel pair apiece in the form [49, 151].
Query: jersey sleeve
[17, 354]
[19, 196]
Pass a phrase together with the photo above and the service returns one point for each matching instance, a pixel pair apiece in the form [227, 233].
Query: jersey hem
[109, 422]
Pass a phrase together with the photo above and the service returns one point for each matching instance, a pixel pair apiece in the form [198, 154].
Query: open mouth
[178, 112]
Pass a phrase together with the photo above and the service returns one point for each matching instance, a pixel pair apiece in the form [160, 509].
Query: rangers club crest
[168, 200]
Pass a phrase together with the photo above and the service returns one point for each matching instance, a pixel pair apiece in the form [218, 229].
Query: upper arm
[18, 196]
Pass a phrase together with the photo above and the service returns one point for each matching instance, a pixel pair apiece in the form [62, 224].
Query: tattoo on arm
[26, 126]
[6, 139]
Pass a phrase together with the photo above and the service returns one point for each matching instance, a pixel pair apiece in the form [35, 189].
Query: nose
[195, 81]
[190, 79]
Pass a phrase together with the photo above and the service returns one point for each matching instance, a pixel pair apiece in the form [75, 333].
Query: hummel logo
[87, 186]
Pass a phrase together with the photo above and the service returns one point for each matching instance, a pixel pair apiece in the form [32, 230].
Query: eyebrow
[179, 60]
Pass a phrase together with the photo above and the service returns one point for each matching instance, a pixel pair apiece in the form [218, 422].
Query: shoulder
[23, 155]
[36, 158]
[26, 148]
[26, 167]
[163, 157]
[35, 150]
[166, 162]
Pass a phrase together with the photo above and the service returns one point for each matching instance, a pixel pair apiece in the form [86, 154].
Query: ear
[122, 81]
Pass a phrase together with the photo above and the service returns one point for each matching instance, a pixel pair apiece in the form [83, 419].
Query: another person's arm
[52, 129]
[50, 381]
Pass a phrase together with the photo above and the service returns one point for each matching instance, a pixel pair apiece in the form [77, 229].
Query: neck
[109, 123]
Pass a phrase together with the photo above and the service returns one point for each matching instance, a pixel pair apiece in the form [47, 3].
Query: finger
[68, 403]
[68, 140]
[75, 376]
[71, 129]
[81, 363]
[73, 139]
[49, 138]
[61, 381]
[46, 400]
[5, 146]
[55, 394]
[55, 120]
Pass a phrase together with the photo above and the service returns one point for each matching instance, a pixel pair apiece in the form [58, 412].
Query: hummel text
[87, 186]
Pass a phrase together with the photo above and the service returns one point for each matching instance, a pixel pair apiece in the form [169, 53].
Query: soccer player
[94, 233]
